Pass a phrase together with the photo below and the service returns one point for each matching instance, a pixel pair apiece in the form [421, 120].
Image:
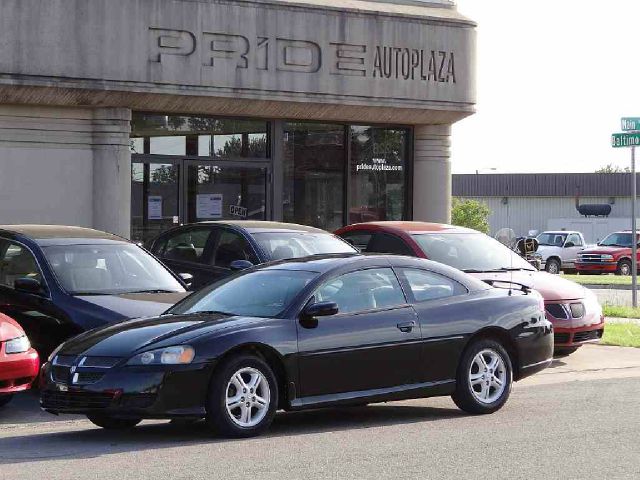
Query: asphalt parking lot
[579, 419]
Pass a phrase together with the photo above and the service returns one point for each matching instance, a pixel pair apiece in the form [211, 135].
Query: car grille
[75, 400]
[586, 336]
[561, 338]
[557, 310]
[96, 366]
[591, 257]
[60, 374]
[86, 378]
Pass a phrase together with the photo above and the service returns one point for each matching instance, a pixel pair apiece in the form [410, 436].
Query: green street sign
[625, 140]
[630, 123]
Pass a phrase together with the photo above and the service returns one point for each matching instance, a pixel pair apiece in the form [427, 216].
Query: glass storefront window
[202, 136]
[314, 169]
[378, 173]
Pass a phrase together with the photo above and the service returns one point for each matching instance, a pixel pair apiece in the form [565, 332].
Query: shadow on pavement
[94, 442]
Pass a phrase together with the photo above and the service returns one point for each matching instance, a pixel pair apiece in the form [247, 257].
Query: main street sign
[625, 140]
[630, 123]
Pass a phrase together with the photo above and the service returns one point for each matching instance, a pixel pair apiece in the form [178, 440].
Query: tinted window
[108, 269]
[360, 240]
[426, 285]
[16, 262]
[271, 291]
[362, 290]
[554, 239]
[186, 246]
[386, 243]
[232, 246]
[618, 239]
[469, 251]
[280, 246]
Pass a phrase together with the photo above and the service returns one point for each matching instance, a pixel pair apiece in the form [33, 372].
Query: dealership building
[132, 116]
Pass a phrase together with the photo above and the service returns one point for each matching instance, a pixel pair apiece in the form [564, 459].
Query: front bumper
[131, 392]
[568, 337]
[596, 267]
[18, 371]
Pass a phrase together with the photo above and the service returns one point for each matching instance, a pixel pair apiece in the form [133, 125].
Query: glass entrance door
[225, 190]
[155, 190]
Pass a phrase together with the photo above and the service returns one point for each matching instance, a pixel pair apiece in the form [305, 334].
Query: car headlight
[606, 257]
[17, 345]
[165, 356]
[591, 304]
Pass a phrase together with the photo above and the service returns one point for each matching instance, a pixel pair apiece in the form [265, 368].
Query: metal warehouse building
[134, 115]
[547, 201]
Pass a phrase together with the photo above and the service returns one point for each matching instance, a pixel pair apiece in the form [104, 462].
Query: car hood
[130, 337]
[135, 305]
[605, 250]
[551, 287]
[9, 328]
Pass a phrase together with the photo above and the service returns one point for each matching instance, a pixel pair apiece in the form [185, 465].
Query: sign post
[631, 139]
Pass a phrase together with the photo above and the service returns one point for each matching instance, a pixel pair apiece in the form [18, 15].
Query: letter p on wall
[170, 42]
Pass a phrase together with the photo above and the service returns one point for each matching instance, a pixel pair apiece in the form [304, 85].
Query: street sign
[630, 123]
[625, 140]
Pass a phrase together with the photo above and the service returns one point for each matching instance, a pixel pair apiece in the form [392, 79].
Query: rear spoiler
[522, 287]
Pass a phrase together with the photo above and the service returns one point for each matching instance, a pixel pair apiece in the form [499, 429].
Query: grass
[620, 312]
[599, 279]
[622, 335]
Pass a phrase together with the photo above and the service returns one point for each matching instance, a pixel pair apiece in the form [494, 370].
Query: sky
[554, 77]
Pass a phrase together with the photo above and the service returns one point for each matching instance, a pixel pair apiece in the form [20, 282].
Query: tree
[470, 214]
[611, 168]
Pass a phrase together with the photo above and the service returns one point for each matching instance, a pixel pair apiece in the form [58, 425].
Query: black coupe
[314, 332]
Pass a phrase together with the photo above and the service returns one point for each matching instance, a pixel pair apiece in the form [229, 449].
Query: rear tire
[111, 423]
[243, 397]
[552, 266]
[4, 399]
[484, 378]
[624, 268]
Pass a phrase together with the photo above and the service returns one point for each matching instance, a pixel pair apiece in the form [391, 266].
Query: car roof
[254, 226]
[412, 227]
[53, 234]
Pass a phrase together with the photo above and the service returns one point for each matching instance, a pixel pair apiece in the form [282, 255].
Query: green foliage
[611, 168]
[470, 214]
[622, 334]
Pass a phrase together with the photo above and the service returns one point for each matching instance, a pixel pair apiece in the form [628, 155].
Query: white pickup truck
[559, 249]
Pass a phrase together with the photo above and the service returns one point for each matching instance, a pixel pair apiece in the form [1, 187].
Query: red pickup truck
[611, 255]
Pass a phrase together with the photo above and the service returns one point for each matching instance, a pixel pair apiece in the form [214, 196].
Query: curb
[599, 286]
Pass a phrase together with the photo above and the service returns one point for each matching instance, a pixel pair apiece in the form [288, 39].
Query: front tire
[243, 397]
[552, 266]
[624, 268]
[111, 423]
[4, 399]
[484, 378]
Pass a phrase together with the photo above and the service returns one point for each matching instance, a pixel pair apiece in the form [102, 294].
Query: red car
[19, 363]
[574, 310]
[611, 255]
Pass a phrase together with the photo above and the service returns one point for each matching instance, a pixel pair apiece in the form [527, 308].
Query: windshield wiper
[498, 270]
[156, 290]
[208, 312]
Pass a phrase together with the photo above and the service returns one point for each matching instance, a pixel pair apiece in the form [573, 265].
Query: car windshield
[108, 269]
[617, 240]
[552, 239]
[270, 292]
[283, 245]
[470, 252]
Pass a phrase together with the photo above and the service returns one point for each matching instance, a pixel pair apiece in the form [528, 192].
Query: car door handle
[406, 326]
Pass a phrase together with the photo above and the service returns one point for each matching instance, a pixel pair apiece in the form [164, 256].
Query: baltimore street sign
[625, 140]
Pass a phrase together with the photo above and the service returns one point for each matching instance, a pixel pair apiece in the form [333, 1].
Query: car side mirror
[187, 278]
[28, 285]
[240, 265]
[569, 245]
[320, 309]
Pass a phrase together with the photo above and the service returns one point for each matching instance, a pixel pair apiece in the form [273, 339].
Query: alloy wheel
[248, 397]
[487, 376]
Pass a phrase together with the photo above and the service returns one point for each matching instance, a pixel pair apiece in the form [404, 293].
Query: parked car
[58, 281]
[19, 363]
[574, 310]
[307, 333]
[560, 249]
[612, 255]
[211, 251]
